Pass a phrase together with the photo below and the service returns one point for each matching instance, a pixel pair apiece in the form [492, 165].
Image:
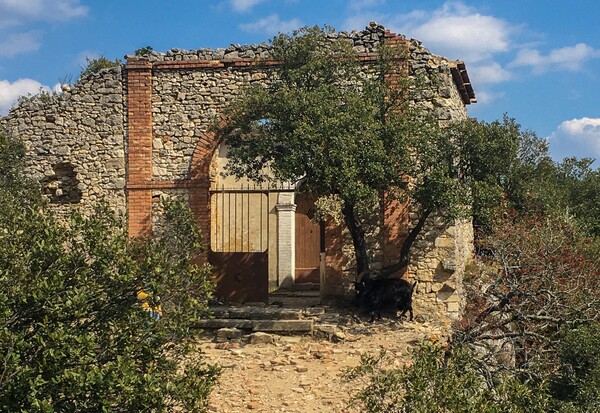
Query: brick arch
[202, 156]
[199, 193]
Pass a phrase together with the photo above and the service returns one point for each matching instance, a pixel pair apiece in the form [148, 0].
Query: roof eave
[462, 81]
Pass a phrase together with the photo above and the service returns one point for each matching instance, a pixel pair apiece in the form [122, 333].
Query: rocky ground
[269, 373]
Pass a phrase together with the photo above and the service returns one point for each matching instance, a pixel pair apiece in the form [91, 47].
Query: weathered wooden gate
[309, 241]
[239, 242]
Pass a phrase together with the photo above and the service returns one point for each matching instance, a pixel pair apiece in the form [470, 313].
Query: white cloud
[485, 96]
[457, 31]
[454, 30]
[569, 58]
[488, 73]
[271, 25]
[244, 5]
[17, 43]
[10, 92]
[17, 12]
[576, 137]
[14, 13]
[484, 75]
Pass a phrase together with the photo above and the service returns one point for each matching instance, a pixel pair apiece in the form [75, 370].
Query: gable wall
[137, 134]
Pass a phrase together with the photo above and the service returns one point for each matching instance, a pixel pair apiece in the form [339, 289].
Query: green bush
[74, 336]
[144, 51]
[438, 381]
[578, 385]
[12, 155]
[456, 380]
[95, 65]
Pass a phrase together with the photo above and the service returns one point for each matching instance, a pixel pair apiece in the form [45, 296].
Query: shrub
[540, 277]
[441, 381]
[577, 387]
[144, 51]
[95, 65]
[74, 336]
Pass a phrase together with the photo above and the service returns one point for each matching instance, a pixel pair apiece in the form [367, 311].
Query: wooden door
[308, 242]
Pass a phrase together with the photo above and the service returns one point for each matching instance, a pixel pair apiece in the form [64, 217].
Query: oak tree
[344, 131]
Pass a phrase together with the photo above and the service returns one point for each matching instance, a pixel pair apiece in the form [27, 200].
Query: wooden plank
[308, 242]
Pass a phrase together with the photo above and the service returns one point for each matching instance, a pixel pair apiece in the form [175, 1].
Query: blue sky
[537, 61]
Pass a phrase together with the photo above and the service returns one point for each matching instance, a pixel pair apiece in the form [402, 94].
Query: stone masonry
[133, 134]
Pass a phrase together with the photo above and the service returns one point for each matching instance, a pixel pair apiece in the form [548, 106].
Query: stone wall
[365, 41]
[440, 255]
[129, 136]
[443, 248]
[186, 104]
[439, 92]
[75, 141]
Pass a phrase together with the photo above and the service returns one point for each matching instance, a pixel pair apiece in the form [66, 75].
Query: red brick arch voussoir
[199, 175]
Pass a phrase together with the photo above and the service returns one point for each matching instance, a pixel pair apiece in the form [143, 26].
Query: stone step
[269, 319]
[305, 287]
[218, 323]
[268, 326]
[283, 326]
[296, 291]
[258, 313]
[295, 299]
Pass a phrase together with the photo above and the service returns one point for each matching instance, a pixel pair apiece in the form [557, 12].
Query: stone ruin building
[134, 134]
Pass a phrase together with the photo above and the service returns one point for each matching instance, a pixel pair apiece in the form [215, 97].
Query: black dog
[379, 293]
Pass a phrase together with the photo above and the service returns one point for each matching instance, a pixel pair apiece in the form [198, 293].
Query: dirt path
[303, 374]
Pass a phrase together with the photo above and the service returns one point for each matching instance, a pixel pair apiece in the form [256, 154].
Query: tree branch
[404, 260]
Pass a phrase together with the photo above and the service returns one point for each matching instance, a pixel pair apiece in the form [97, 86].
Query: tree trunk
[358, 240]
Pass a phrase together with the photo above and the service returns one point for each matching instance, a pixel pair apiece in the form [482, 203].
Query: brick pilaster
[398, 45]
[200, 206]
[395, 228]
[395, 213]
[139, 144]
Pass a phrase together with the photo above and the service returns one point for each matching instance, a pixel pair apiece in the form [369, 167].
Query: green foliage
[510, 169]
[344, 131]
[533, 305]
[74, 335]
[533, 297]
[458, 379]
[578, 385]
[439, 381]
[317, 120]
[11, 161]
[144, 51]
[497, 161]
[13, 186]
[580, 186]
[95, 65]
[43, 95]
